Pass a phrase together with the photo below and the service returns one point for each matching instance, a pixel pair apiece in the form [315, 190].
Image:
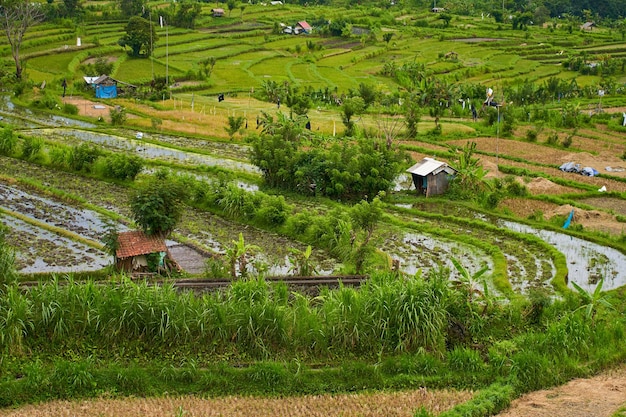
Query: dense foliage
[418, 331]
[156, 206]
[345, 170]
[556, 8]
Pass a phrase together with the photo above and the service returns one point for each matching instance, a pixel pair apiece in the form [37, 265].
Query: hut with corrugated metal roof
[431, 177]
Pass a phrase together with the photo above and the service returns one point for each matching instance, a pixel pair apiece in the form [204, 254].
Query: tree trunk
[18, 67]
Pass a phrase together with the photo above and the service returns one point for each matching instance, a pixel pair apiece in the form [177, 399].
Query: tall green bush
[31, 148]
[8, 274]
[8, 141]
[121, 166]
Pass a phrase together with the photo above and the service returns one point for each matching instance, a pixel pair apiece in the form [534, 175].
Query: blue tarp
[569, 220]
[106, 91]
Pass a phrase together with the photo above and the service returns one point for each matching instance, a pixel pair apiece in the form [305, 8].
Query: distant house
[437, 10]
[107, 87]
[302, 27]
[431, 177]
[588, 26]
[359, 31]
[217, 12]
[138, 252]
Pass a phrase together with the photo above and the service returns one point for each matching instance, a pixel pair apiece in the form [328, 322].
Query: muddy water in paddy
[39, 250]
[146, 150]
[421, 252]
[20, 117]
[83, 222]
[587, 262]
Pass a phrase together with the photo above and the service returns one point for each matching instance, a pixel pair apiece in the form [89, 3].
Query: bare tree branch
[16, 17]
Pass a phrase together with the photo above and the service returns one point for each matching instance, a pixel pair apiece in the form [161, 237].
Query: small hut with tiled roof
[139, 252]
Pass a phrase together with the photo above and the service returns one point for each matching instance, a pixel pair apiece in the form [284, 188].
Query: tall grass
[400, 327]
[252, 317]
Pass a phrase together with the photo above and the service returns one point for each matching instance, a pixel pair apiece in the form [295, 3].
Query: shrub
[31, 148]
[59, 156]
[69, 108]
[273, 211]
[215, 267]
[8, 141]
[82, 157]
[157, 206]
[531, 370]
[19, 87]
[47, 101]
[118, 115]
[515, 188]
[122, 167]
[8, 273]
[490, 116]
[238, 203]
[553, 138]
[531, 135]
[465, 360]
[536, 215]
[508, 124]
[567, 142]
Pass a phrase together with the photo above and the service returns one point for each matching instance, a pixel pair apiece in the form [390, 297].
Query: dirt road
[601, 396]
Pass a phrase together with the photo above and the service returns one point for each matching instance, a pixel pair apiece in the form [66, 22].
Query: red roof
[304, 25]
[136, 242]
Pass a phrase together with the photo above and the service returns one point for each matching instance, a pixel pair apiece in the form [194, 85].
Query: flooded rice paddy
[146, 150]
[43, 251]
[39, 250]
[418, 252]
[587, 262]
[83, 222]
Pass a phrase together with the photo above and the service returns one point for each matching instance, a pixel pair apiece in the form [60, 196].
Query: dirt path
[600, 396]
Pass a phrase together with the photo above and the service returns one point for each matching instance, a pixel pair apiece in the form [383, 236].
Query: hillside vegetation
[284, 154]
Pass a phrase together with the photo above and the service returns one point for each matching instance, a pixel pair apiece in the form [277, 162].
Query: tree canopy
[157, 206]
[140, 35]
[347, 170]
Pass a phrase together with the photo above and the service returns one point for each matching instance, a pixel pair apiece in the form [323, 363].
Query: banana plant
[469, 282]
[301, 262]
[592, 300]
[237, 256]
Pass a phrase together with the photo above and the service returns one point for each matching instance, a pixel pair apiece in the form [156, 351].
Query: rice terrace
[331, 207]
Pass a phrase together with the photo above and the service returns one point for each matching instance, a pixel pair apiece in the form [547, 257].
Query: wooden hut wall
[125, 264]
[437, 184]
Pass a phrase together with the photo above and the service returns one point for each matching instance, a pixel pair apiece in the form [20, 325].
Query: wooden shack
[431, 177]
